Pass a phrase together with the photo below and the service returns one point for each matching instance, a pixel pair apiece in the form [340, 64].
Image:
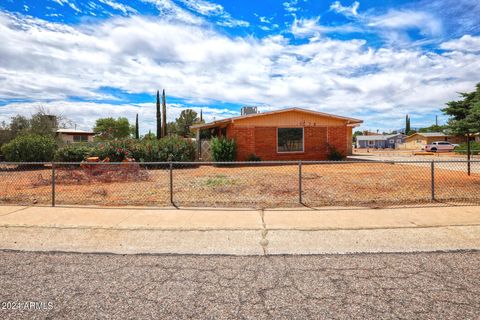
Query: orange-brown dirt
[372, 184]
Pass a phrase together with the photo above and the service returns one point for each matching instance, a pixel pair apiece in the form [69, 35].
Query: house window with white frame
[290, 140]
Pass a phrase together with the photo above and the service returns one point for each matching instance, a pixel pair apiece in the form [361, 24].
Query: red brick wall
[262, 141]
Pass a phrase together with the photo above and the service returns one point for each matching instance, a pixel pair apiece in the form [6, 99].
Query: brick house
[288, 134]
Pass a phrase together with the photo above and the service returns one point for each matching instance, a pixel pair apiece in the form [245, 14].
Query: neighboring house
[477, 137]
[73, 135]
[380, 141]
[288, 134]
[420, 139]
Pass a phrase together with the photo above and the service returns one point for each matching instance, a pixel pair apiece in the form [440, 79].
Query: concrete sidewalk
[230, 231]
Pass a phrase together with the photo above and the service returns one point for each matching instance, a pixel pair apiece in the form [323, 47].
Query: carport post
[171, 183]
[53, 184]
[300, 181]
[433, 179]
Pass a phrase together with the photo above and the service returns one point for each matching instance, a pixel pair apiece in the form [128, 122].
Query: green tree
[464, 114]
[43, 124]
[149, 136]
[110, 128]
[137, 134]
[18, 125]
[159, 117]
[433, 128]
[356, 134]
[164, 114]
[187, 118]
[172, 129]
[407, 125]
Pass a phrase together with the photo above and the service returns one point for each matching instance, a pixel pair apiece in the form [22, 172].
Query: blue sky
[374, 60]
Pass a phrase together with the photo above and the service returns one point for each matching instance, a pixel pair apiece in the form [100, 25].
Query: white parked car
[439, 146]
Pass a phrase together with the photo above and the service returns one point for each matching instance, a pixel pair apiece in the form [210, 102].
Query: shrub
[223, 149]
[334, 154]
[474, 148]
[115, 151]
[75, 152]
[253, 157]
[174, 148]
[30, 148]
[171, 148]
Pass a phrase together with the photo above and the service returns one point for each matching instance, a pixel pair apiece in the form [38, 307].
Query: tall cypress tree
[137, 134]
[164, 110]
[159, 119]
[407, 124]
[201, 115]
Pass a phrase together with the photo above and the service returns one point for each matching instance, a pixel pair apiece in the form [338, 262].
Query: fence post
[433, 179]
[468, 154]
[171, 183]
[300, 200]
[53, 184]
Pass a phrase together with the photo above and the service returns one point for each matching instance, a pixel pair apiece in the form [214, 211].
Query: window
[290, 139]
[80, 138]
[371, 142]
[391, 141]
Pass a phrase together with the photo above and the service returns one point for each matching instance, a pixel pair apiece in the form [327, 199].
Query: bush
[75, 152]
[253, 157]
[174, 148]
[30, 148]
[115, 151]
[223, 149]
[171, 148]
[334, 154]
[474, 148]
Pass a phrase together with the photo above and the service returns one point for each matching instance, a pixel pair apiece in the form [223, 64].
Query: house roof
[74, 131]
[379, 137]
[429, 134]
[317, 113]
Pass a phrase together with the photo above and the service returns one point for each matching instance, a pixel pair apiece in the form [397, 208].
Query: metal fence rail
[241, 184]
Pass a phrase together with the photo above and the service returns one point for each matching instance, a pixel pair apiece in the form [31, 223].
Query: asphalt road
[360, 286]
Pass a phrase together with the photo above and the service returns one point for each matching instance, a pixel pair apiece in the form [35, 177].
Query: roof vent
[248, 110]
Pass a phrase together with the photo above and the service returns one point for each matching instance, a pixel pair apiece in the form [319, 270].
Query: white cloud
[290, 6]
[348, 10]
[49, 62]
[466, 43]
[204, 7]
[70, 3]
[393, 26]
[400, 20]
[171, 10]
[305, 28]
[119, 6]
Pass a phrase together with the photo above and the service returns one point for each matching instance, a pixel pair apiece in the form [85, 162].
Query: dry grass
[372, 184]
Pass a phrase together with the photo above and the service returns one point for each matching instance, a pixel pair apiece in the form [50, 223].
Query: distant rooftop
[432, 134]
[378, 137]
[74, 131]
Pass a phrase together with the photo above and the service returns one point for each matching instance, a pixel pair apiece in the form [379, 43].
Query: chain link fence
[241, 184]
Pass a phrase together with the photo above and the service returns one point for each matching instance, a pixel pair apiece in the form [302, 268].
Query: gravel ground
[360, 286]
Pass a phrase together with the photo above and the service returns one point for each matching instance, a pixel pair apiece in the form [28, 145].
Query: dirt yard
[357, 184]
